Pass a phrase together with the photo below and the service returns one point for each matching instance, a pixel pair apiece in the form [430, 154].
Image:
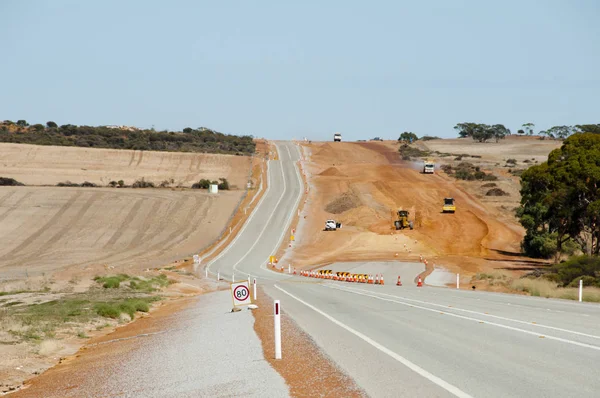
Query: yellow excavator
[449, 206]
[403, 221]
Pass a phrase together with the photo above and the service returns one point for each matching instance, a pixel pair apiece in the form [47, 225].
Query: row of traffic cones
[377, 280]
[370, 279]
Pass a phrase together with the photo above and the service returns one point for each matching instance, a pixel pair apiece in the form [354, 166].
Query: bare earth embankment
[362, 184]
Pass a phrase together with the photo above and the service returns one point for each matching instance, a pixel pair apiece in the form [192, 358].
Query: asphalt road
[408, 341]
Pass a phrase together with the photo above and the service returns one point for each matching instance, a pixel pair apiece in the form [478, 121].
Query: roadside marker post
[457, 281]
[218, 276]
[580, 290]
[289, 268]
[254, 289]
[277, 326]
[249, 280]
[233, 277]
[206, 272]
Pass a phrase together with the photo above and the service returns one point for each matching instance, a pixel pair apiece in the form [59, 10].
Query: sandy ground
[56, 239]
[362, 184]
[49, 165]
[46, 229]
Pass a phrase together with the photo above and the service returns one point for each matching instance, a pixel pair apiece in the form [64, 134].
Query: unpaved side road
[203, 350]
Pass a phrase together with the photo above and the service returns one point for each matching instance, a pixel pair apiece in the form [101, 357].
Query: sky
[293, 69]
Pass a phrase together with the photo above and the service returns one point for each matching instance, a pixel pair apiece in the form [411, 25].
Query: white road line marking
[267, 225]
[412, 366]
[593, 347]
[486, 314]
[229, 246]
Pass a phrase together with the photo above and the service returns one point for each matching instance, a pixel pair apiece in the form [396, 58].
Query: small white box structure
[214, 188]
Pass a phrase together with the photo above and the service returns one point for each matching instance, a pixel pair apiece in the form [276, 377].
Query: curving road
[408, 341]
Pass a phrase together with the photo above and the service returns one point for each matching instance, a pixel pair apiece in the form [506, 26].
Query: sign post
[277, 325]
[240, 293]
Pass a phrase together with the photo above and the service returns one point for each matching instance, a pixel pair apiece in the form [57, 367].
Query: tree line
[560, 198]
[201, 139]
[484, 132]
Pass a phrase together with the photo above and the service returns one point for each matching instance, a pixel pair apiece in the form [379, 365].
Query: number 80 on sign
[240, 292]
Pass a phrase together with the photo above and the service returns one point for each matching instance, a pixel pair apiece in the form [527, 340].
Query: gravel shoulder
[199, 349]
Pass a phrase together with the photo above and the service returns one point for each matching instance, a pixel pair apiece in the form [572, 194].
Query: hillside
[49, 165]
[201, 140]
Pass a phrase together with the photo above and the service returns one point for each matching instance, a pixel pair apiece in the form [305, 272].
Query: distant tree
[408, 136]
[588, 128]
[465, 129]
[51, 125]
[22, 123]
[187, 130]
[224, 185]
[529, 128]
[558, 132]
[521, 132]
[498, 131]
[121, 183]
[8, 122]
[38, 127]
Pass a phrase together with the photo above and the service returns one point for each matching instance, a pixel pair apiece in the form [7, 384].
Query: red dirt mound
[332, 172]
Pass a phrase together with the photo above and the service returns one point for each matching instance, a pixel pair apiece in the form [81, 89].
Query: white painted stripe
[247, 222]
[593, 347]
[412, 366]
[488, 315]
[267, 224]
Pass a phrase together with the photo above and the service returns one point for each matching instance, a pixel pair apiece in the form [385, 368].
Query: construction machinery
[332, 225]
[403, 221]
[449, 206]
[428, 167]
[337, 137]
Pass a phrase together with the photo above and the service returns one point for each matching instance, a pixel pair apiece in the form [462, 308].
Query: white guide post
[277, 325]
[457, 281]
[580, 290]
[233, 277]
[254, 289]
[218, 276]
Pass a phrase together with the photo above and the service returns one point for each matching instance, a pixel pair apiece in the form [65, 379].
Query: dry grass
[544, 288]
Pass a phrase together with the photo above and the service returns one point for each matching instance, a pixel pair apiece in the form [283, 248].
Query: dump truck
[337, 137]
[449, 206]
[403, 221]
[332, 225]
[428, 167]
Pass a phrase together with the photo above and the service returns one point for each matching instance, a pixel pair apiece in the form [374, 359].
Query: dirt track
[46, 229]
[49, 165]
[367, 182]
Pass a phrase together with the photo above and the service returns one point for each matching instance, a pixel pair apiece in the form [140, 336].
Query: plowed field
[46, 229]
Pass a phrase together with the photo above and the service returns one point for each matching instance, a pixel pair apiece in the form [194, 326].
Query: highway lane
[267, 226]
[408, 341]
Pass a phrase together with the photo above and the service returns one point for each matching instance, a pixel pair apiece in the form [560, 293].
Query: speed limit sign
[240, 292]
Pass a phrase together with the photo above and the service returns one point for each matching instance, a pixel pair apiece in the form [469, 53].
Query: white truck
[337, 137]
[332, 225]
[428, 167]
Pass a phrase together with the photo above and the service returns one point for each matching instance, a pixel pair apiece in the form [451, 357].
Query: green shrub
[6, 182]
[108, 310]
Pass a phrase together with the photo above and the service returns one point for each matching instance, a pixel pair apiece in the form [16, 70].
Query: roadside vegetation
[468, 172]
[9, 182]
[560, 199]
[201, 139]
[53, 315]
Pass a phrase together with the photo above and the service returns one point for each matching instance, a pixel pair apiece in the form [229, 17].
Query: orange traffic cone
[399, 283]
[381, 280]
[377, 279]
[419, 282]
[370, 279]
